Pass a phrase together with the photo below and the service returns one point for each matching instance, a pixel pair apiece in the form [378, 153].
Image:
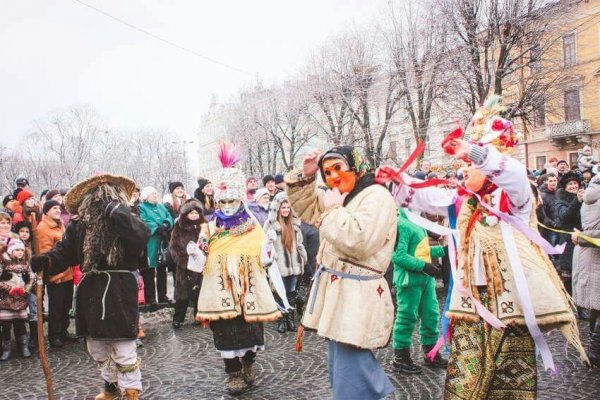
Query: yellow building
[571, 119]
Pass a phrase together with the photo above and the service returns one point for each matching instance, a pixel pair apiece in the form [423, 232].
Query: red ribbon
[387, 173]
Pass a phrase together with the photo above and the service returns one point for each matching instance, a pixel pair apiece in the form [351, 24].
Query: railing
[569, 128]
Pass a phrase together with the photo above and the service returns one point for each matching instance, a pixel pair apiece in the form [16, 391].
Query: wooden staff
[40, 333]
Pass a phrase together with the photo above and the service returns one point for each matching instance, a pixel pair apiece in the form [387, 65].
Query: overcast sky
[59, 53]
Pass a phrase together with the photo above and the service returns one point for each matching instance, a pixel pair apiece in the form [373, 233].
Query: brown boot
[248, 372]
[131, 394]
[110, 392]
[236, 384]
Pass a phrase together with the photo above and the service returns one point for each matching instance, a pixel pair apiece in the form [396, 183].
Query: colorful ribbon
[594, 241]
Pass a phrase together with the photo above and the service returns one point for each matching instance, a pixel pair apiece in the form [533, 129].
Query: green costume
[415, 290]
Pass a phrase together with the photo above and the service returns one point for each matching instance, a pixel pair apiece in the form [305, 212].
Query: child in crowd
[16, 281]
[585, 161]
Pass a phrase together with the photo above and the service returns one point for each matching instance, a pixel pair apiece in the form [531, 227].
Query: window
[573, 159]
[535, 59]
[540, 161]
[539, 114]
[569, 50]
[572, 106]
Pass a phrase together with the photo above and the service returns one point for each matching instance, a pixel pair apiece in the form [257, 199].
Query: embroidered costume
[506, 291]
[235, 297]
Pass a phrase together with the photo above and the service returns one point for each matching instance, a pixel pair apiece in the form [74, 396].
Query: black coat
[566, 214]
[113, 315]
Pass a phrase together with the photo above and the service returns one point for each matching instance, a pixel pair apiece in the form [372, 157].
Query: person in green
[414, 279]
[158, 219]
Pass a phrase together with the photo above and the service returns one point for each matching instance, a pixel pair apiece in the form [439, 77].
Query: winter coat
[47, 234]
[357, 239]
[185, 231]
[586, 260]
[260, 213]
[153, 216]
[14, 274]
[289, 263]
[107, 300]
[548, 200]
[566, 214]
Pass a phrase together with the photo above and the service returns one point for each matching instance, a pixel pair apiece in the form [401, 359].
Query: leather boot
[131, 394]
[236, 384]
[290, 323]
[438, 361]
[110, 392]
[23, 345]
[281, 325]
[594, 347]
[33, 335]
[404, 363]
[248, 373]
[6, 345]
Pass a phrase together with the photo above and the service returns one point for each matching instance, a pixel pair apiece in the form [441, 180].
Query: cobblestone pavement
[183, 364]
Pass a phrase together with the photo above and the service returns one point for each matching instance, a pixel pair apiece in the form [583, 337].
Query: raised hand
[310, 163]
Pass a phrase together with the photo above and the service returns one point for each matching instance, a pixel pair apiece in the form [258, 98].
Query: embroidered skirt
[355, 374]
[487, 363]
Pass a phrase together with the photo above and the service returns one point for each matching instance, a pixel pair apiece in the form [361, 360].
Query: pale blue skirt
[355, 374]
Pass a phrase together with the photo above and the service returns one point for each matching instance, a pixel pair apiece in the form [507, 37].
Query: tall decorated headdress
[230, 181]
[488, 127]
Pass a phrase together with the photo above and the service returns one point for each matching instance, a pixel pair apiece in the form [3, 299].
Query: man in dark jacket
[106, 239]
[548, 194]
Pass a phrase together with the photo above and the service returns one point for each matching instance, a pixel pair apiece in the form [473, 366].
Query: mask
[338, 176]
[229, 207]
[474, 179]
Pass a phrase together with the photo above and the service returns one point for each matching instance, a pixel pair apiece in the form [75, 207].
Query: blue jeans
[32, 301]
[290, 283]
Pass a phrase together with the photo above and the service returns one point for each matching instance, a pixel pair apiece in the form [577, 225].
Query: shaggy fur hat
[191, 205]
[568, 177]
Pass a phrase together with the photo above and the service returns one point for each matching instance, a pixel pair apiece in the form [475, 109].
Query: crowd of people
[512, 247]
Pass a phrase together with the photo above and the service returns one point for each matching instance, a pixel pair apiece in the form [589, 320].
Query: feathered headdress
[230, 181]
[488, 127]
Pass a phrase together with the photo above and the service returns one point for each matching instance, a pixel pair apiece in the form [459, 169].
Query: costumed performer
[106, 239]
[235, 296]
[350, 302]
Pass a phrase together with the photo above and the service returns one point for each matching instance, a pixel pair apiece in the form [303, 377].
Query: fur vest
[289, 262]
[185, 231]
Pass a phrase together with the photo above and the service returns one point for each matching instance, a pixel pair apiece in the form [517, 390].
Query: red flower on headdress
[498, 125]
[222, 186]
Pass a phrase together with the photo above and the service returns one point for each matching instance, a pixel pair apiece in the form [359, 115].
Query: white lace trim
[240, 352]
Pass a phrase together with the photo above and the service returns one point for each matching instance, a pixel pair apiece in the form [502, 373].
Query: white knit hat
[146, 192]
[260, 193]
[15, 244]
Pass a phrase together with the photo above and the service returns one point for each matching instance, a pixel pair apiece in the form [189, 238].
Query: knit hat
[260, 193]
[278, 179]
[23, 196]
[21, 181]
[15, 244]
[202, 182]
[561, 162]
[174, 185]
[146, 192]
[51, 193]
[230, 182]
[49, 204]
[6, 199]
[268, 178]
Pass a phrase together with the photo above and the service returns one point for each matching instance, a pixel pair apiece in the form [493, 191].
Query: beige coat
[357, 239]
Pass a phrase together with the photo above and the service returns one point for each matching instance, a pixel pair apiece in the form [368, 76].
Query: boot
[594, 347]
[236, 384]
[404, 363]
[67, 337]
[248, 373]
[23, 345]
[281, 326]
[290, 323]
[438, 361]
[6, 344]
[33, 335]
[55, 341]
[110, 392]
[131, 394]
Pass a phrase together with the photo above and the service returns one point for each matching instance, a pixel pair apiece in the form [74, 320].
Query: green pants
[417, 301]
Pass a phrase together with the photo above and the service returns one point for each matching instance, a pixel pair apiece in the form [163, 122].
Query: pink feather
[229, 154]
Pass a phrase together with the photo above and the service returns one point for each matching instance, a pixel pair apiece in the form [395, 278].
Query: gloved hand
[110, 207]
[192, 248]
[432, 270]
[39, 263]
[16, 291]
[271, 236]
